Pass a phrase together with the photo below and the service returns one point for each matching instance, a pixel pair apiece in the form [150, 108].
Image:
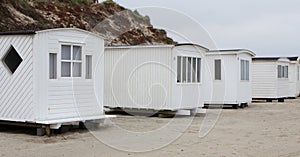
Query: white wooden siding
[264, 75]
[138, 77]
[187, 95]
[293, 80]
[65, 98]
[224, 89]
[16, 90]
[230, 89]
[266, 83]
[282, 83]
[244, 91]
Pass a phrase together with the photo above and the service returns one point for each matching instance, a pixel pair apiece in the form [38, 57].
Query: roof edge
[191, 44]
[234, 50]
[138, 46]
[295, 58]
[76, 29]
[270, 58]
[25, 32]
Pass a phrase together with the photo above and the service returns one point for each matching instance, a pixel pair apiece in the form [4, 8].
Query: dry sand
[263, 129]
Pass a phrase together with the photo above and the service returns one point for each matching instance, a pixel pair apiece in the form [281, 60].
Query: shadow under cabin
[47, 78]
[154, 78]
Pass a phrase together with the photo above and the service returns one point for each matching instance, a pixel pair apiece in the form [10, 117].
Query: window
[245, 70]
[179, 65]
[88, 66]
[12, 60]
[283, 71]
[184, 69]
[279, 69]
[218, 72]
[189, 74]
[52, 66]
[198, 69]
[286, 72]
[188, 69]
[194, 68]
[71, 61]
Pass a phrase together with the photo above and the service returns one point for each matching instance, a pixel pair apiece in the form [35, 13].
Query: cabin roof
[33, 32]
[293, 58]
[232, 51]
[137, 46]
[266, 58]
[281, 59]
[153, 46]
[192, 44]
[26, 32]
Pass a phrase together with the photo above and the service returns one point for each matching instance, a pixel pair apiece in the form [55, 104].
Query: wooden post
[48, 130]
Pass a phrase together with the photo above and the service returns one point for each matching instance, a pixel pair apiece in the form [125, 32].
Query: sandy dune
[263, 129]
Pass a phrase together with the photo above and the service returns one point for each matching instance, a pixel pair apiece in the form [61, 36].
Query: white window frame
[282, 71]
[194, 72]
[244, 70]
[60, 60]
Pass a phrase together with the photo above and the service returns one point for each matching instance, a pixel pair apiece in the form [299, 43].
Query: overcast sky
[267, 27]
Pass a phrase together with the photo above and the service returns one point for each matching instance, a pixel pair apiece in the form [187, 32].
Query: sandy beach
[262, 129]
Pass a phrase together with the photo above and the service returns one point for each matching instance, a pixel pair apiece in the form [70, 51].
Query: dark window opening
[12, 60]
[218, 72]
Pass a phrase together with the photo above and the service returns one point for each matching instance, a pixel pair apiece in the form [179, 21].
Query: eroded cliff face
[118, 25]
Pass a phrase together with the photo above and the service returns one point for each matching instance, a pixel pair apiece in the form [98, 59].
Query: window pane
[199, 70]
[77, 69]
[217, 69]
[52, 66]
[247, 70]
[66, 52]
[282, 71]
[184, 69]
[178, 69]
[77, 52]
[88, 67]
[279, 71]
[242, 70]
[194, 70]
[65, 69]
[189, 70]
[286, 71]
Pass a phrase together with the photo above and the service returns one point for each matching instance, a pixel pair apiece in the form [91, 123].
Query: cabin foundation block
[281, 100]
[40, 131]
[48, 130]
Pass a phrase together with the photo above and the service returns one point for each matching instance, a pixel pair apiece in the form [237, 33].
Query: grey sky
[267, 27]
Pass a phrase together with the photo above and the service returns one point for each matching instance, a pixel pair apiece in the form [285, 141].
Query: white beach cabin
[154, 78]
[48, 77]
[294, 77]
[228, 78]
[270, 78]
